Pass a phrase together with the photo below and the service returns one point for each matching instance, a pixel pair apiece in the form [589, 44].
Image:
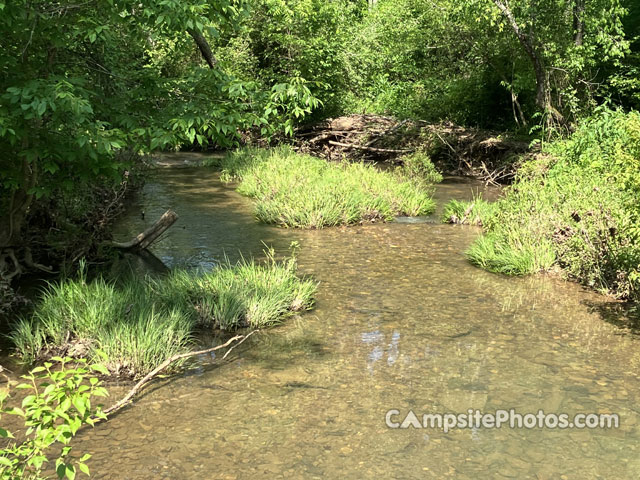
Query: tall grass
[302, 191]
[138, 323]
[577, 207]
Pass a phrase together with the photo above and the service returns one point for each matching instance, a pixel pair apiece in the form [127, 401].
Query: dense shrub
[576, 207]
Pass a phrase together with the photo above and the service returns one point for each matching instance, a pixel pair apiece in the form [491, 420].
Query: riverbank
[574, 207]
[68, 224]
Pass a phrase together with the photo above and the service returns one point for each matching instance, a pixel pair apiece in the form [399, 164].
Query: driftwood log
[145, 239]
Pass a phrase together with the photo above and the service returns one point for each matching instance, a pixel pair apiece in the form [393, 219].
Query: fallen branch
[18, 268]
[467, 212]
[149, 376]
[28, 260]
[370, 149]
[151, 234]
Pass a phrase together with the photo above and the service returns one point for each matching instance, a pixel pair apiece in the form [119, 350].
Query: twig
[445, 142]
[149, 376]
[467, 212]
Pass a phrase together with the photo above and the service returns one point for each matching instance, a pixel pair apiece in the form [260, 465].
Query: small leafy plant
[288, 103]
[57, 404]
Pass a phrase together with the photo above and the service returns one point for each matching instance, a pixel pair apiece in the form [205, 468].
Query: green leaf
[100, 369]
[79, 403]
[70, 472]
[61, 470]
[84, 468]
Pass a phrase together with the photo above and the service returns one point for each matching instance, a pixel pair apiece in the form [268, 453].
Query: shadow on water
[623, 315]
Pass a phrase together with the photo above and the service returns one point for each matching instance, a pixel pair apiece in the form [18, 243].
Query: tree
[83, 82]
[565, 43]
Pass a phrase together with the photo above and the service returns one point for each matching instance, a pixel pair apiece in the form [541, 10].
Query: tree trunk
[543, 89]
[204, 47]
[21, 199]
[578, 22]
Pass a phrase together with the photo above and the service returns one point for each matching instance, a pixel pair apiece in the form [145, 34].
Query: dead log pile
[368, 137]
[488, 155]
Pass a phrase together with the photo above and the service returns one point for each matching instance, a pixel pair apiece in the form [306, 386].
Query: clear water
[402, 321]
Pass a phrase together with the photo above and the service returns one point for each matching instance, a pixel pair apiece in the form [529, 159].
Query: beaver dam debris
[484, 154]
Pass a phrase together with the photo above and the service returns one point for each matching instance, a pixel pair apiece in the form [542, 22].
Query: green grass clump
[246, 295]
[495, 254]
[476, 212]
[302, 191]
[577, 207]
[138, 323]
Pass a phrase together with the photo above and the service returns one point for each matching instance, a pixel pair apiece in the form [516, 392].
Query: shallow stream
[402, 322]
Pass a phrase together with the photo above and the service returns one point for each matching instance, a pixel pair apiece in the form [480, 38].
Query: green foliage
[416, 58]
[279, 40]
[137, 324]
[418, 165]
[575, 207]
[288, 103]
[438, 59]
[82, 82]
[303, 191]
[625, 79]
[57, 403]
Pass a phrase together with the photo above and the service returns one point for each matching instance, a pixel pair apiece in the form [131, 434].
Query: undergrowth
[576, 206]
